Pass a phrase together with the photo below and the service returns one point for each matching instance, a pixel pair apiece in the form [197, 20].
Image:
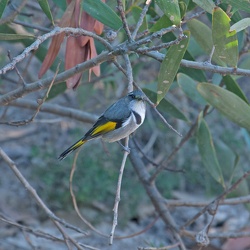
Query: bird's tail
[71, 149]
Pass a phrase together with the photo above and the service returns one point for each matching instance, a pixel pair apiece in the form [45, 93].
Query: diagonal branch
[54, 32]
[34, 194]
[154, 194]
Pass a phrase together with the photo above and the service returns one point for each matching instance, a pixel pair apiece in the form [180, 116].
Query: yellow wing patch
[109, 126]
[77, 145]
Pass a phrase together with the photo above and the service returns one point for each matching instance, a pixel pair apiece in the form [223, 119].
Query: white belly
[129, 126]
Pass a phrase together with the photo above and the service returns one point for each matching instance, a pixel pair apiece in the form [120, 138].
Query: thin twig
[220, 197]
[17, 71]
[124, 20]
[211, 55]
[34, 194]
[57, 110]
[218, 235]
[160, 248]
[154, 194]
[30, 25]
[139, 22]
[37, 233]
[40, 103]
[44, 83]
[118, 193]
[154, 163]
[73, 169]
[174, 152]
[190, 203]
[178, 147]
[54, 32]
[13, 14]
[161, 46]
[140, 232]
[129, 73]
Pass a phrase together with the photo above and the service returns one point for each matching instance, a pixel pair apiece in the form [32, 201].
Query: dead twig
[73, 169]
[118, 193]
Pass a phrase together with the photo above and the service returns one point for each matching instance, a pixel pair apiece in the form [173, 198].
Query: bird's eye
[133, 96]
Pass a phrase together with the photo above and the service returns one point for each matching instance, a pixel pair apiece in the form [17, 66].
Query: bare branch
[118, 192]
[73, 169]
[57, 110]
[142, 15]
[124, 20]
[203, 65]
[190, 203]
[34, 194]
[154, 194]
[41, 39]
[220, 197]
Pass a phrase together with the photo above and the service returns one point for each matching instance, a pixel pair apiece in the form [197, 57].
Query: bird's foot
[127, 149]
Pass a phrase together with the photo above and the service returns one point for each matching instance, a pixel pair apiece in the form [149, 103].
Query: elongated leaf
[225, 41]
[207, 151]
[171, 9]
[189, 87]
[228, 160]
[238, 4]
[229, 104]
[203, 36]
[207, 5]
[103, 13]
[46, 9]
[233, 86]
[183, 8]
[8, 37]
[56, 90]
[241, 25]
[170, 66]
[166, 106]
[3, 4]
[162, 22]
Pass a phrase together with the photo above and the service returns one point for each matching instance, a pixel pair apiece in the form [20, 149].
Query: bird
[120, 120]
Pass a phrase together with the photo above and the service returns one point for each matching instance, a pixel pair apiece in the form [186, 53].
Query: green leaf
[166, 106]
[46, 9]
[56, 90]
[233, 86]
[238, 4]
[103, 13]
[8, 37]
[203, 36]
[162, 22]
[225, 41]
[207, 151]
[170, 66]
[189, 87]
[3, 4]
[241, 25]
[171, 9]
[229, 104]
[228, 160]
[207, 5]
[183, 8]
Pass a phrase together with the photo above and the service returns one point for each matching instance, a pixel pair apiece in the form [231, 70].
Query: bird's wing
[111, 119]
